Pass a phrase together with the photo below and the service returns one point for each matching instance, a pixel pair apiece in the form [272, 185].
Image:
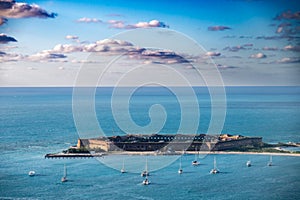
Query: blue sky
[251, 42]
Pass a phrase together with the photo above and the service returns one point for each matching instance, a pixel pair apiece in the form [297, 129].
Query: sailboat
[180, 171]
[123, 168]
[64, 178]
[145, 172]
[196, 162]
[31, 173]
[215, 169]
[248, 163]
[270, 162]
[146, 181]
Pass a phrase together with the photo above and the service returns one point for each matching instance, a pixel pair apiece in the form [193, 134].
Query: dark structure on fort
[170, 143]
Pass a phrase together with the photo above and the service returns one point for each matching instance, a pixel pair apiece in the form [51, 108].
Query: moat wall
[106, 145]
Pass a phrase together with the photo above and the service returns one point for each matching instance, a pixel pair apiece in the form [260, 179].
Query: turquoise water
[36, 121]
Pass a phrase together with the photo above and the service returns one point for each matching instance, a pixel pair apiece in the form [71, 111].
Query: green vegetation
[82, 150]
[75, 150]
[263, 148]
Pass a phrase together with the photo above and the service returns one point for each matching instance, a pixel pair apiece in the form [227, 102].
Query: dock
[73, 155]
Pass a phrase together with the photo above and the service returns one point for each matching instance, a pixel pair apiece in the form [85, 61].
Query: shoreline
[203, 153]
[151, 153]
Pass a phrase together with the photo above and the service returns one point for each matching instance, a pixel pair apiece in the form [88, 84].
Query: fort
[167, 143]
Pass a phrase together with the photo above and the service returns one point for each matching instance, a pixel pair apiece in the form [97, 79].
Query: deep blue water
[36, 121]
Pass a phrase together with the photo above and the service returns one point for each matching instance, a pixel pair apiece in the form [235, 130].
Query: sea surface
[37, 121]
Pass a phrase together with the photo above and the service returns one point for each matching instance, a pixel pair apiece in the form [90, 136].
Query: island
[166, 144]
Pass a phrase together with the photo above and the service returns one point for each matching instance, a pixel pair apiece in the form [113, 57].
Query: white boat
[145, 172]
[31, 173]
[215, 169]
[196, 162]
[248, 163]
[270, 162]
[146, 181]
[123, 168]
[180, 171]
[64, 178]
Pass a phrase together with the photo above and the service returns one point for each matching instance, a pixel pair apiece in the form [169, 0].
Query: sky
[52, 43]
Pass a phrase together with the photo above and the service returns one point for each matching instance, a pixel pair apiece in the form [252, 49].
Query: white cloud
[10, 57]
[279, 29]
[66, 48]
[211, 53]
[292, 48]
[150, 24]
[82, 61]
[45, 56]
[116, 23]
[95, 48]
[270, 48]
[12, 9]
[8, 47]
[289, 60]
[99, 46]
[258, 56]
[113, 42]
[89, 20]
[71, 37]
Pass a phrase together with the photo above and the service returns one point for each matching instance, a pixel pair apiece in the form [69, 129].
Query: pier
[73, 155]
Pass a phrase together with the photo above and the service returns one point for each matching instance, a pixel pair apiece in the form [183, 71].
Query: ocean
[37, 121]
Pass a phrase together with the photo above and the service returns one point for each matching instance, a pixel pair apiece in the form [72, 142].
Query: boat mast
[180, 163]
[65, 171]
[215, 163]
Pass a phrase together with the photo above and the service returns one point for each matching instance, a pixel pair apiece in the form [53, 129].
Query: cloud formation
[71, 37]
[270, 48]
[161, 56]
[5, 39]
[289, 37]
[89, 20]
[121, 24]
[2, 20]
[288, 15]
[218, 28]
[107, 47]
[10, 57]
[239, 47]
[292, 48]
[258, 56]
[116, 23]
[212, 54]
[281, 27]
[13, 9]
[152, 23]
[289, 60]
[46, 56]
